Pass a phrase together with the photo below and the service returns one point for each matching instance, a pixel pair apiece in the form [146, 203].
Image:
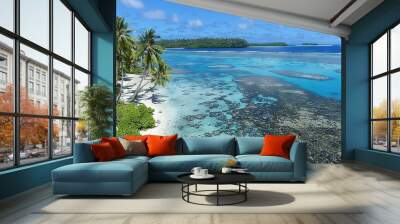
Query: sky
[35, 27]
[176, 21]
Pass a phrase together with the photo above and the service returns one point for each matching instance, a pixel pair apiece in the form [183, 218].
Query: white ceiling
[317, 15]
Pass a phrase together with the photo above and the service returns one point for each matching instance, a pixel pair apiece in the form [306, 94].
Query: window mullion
[73, 81]
[50, 81]
[16, 85]
[389, 100]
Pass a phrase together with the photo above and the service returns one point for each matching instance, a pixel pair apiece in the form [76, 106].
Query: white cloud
[195, 23]
[154, 14]
[137, 4]
[175, 18]
[243, 26]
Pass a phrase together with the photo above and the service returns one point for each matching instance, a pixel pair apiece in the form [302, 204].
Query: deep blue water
[292, 48]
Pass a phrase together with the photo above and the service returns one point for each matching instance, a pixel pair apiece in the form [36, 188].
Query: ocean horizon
[333, 48]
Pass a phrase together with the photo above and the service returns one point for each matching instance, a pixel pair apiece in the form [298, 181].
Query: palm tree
[160, 77]
[125, 46]
[149, 54]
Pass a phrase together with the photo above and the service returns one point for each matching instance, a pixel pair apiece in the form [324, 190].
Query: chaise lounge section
[125, 176]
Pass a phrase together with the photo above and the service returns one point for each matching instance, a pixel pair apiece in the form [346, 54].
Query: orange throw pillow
[161, 145]
[277, 145]
[103, 152]
[116, 145]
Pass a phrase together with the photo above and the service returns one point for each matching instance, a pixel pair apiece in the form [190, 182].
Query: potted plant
[97, 104]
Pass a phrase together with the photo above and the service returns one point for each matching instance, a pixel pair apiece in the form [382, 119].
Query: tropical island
[270, 44]
[204, 43]
[215, 43]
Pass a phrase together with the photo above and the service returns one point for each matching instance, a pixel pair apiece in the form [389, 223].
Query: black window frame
[16, 114]
[388, 74]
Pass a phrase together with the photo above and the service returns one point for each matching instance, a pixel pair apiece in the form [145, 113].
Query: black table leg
[195, 188]
[188, 190]
[245, 193]
[217, 194]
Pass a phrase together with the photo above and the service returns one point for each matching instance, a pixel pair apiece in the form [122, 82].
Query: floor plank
[353, 182]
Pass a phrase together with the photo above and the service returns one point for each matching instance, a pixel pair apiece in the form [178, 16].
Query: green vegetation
[139, 57]
[270, 44]
[97, 104]
[131, 119]
[125, 56]
[155, 70]
[205, 43]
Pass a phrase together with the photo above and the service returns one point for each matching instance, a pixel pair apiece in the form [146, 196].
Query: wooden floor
[379, 189]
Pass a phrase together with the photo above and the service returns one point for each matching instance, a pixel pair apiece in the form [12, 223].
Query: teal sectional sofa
[125, 176]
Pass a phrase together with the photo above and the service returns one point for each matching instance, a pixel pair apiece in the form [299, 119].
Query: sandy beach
[163, 114]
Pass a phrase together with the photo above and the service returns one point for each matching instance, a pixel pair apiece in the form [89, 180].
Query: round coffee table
[238, 179]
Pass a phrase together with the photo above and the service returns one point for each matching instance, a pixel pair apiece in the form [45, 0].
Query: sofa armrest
[298, 155]
[83, 152]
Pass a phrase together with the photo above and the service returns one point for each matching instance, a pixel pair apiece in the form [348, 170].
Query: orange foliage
[33, 130]
[380, 127]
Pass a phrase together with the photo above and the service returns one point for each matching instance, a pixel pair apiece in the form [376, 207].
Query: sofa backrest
[249, 145]
[83, 153]
[207, 145]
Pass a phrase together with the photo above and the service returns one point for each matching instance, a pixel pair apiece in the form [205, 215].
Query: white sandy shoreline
[163, 114]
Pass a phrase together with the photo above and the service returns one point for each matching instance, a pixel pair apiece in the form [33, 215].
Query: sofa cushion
[133, 157]
[208, 145]
[257, 163]
[185, 163]
[112, 171]
[249, 145]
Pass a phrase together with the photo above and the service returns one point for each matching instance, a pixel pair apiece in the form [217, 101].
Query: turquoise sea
[208, 93]
[218, 63]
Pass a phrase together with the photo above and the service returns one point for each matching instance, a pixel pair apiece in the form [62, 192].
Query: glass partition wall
[385, 91]
[44, 64]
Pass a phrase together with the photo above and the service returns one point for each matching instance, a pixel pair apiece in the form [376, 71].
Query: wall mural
[219, 74]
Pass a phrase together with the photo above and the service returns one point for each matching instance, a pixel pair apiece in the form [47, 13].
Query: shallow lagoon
[208, 94]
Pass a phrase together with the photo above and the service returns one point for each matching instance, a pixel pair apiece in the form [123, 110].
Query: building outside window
[3, 71]
[3, 61]
[30, 72]
[3, 78]
[37, 74]
[43, 90]
[38, 89]
[58, 130]
[30, 87]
